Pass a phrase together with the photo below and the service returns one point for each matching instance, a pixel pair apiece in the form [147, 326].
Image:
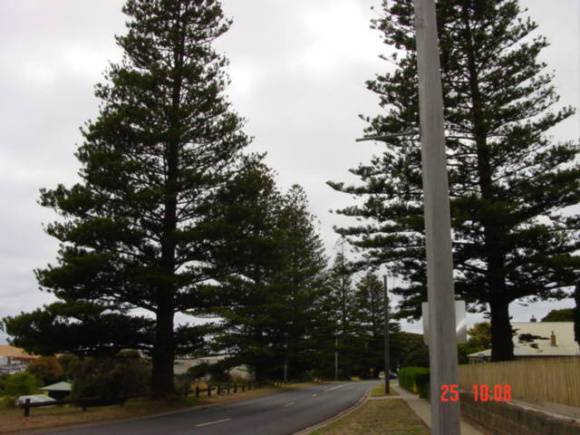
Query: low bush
[7, 402]
[111, 378]
[19, 384]
[415, 380]
[47, 370]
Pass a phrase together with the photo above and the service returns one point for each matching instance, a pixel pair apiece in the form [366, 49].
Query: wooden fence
[555, 380]
[81, 403]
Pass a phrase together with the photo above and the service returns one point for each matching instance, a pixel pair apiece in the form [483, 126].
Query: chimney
[553, 340]
[533, 319]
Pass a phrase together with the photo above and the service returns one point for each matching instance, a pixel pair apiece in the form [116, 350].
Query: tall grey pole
[387, 354]
[442, 347]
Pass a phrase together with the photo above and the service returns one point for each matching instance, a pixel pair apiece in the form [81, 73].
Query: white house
[539, 339]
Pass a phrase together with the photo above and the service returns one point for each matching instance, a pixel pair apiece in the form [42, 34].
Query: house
[14, 359]
[538, 340]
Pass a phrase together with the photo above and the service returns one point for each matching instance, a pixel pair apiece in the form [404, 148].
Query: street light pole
[387, 354]
[445, 415]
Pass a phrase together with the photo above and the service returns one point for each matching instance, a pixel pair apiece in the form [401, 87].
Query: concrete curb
[340, 415]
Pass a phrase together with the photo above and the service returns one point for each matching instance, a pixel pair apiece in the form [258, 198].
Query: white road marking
[335, 388]
[213, 422]
[314, 395]
[288, 404]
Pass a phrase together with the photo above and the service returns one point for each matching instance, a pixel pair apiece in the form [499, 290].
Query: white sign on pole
[460, 325]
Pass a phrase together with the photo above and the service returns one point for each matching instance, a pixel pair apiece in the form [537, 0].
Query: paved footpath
[423, 409]
[282, 413]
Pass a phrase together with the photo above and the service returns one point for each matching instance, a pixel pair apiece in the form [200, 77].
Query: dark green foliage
[80, 327]
[272, 264]
[111, 377]
[408, 349]
[46, 369]
[369, 328]
[415, 380]
[19, 384]
[418, 357]
[563, 315]
[69, 363]
[3, 379]
[199, 371]
[480, 336]
[135, 235]
[479, 339]
[510, 185]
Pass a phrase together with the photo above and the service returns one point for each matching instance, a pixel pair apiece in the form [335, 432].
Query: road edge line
[359, 404]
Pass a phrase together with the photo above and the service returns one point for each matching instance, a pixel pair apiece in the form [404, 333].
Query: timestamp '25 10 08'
[481, 393]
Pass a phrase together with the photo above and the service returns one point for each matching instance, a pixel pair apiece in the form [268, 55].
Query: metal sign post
[445, 415]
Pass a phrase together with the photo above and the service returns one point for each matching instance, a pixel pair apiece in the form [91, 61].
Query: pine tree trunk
[577, 314]
[163, 354]
[502, 348]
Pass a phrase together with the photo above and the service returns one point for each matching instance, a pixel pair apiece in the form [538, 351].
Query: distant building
[182, 365]
[14, 359]
[538, 340]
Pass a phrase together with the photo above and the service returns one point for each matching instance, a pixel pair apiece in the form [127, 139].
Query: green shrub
[47, 370]
[417, 358]
[20, 384]
[422, 383]
[111, 378]
[415, 380]
[199, 371]
[3, 379]
[70, 364]
[7, 402]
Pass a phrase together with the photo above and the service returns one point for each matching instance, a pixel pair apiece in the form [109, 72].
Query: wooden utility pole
[445, 415]
[387, 354]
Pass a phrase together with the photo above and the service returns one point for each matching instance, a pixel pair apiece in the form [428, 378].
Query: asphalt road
[282, 413]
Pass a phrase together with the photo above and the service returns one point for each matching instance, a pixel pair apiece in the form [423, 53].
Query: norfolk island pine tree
[511, 186]
[133, 236]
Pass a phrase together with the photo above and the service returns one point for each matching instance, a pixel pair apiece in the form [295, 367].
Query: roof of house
[59, 386]
[8, 351]
[563, 333]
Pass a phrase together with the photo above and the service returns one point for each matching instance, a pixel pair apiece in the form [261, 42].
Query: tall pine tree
[272, 267]
[133, 234]
[510, 184]
[301, 280]
[369, 324]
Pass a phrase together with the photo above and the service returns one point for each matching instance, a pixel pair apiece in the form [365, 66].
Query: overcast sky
[298, 69]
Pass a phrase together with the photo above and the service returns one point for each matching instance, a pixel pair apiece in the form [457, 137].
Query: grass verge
[379, 391]
[378, 417]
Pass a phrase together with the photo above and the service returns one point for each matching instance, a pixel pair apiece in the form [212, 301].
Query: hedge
[415, 380]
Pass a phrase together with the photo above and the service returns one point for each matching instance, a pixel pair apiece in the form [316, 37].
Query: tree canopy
[510, 184]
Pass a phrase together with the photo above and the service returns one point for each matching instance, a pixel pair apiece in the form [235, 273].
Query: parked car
[34, 398]
[391, 375]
